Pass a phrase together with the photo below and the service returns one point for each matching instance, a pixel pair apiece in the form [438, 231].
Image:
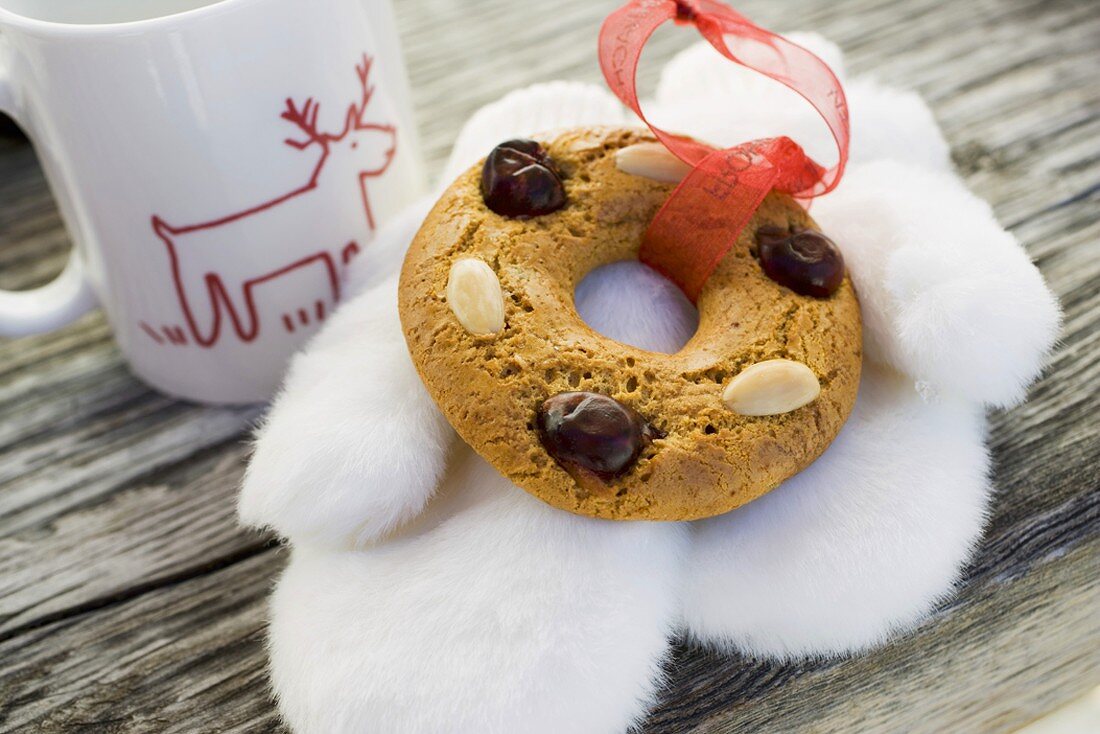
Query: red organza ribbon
[705, 214]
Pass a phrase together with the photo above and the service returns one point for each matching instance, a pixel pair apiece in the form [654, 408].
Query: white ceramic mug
[218, 165]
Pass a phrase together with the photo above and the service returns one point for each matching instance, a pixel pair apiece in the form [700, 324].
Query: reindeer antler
[356, 110]
[306, 119]
[363, 70]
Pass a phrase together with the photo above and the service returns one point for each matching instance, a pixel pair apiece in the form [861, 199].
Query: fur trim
[494, 613]
[483, 610]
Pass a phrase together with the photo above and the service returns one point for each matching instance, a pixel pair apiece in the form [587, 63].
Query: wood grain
[130, 602]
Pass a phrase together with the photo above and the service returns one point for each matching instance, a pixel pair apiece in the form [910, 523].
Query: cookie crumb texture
[706, 458]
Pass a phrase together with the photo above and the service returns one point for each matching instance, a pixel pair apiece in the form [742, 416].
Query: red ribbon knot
[705, 214]
[686, 12]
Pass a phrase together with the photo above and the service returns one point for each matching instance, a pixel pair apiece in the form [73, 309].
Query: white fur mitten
[324, 470]
[426, 593]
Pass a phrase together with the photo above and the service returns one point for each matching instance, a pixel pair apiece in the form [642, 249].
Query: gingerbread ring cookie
[601, 428]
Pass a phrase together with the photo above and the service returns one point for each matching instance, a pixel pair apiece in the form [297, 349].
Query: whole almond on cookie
[651, 160]
[474, 296]
[771, 387]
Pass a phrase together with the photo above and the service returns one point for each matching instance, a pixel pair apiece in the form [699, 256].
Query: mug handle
[66, 297]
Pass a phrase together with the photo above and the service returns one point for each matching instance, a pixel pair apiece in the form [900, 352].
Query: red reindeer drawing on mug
[214, 302]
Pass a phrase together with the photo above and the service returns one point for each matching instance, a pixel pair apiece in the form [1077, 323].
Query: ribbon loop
[705, 214]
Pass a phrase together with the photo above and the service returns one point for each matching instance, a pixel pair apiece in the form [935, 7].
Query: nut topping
[474, 296]
[651, 160]
[771, 387]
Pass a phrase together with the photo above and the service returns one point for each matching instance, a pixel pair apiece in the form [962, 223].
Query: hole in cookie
[710, 430]
[633, 304]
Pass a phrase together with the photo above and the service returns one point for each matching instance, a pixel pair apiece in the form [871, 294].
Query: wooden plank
[188, 658]
[913, 685]
[170, 525]
[33, 244]
[130, 602]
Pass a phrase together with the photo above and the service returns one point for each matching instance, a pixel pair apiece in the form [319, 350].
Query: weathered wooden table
[130, 601]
